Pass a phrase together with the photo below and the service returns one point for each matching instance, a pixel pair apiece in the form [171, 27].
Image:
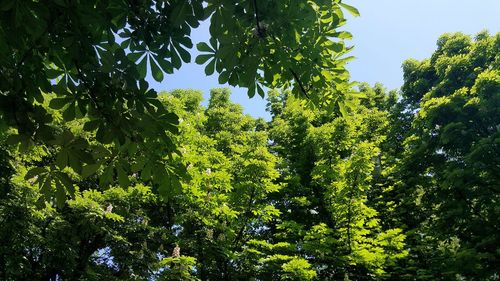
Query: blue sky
[387, 33]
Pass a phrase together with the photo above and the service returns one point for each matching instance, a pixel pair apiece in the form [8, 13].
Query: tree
[328, 168]
[449, 172]
[202, 228]
[94, 56]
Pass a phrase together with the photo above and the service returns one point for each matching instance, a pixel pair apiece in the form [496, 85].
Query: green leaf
[58, 103]
[146, 172]
[62, 159]
[91, 125]
[13, 139]
[106, 177]
[134, 57]
[203, 47]
[170, 186]
[60, 194]
[358, 95]
[53, 73]
[34, 172]
[185, 55]
[209, 69]
[70, 113]
[138, 165]
[353, 11]
[175, 59]
[342, 109]
[90, 169]
[166, 66]
[155, 70]
[251, 91]
[171, 118]
[74, 161]
[142, 68]
[67, 182]
[260, 91]
[122, 177]
[201, 59]
[223, 77]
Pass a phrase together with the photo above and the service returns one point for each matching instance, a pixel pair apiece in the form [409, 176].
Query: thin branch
[299, 82]
[257, 19]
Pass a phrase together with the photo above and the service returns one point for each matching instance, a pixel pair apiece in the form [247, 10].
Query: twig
[299, 82]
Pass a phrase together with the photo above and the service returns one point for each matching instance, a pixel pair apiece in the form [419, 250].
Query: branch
[300, 83]
[256, 15]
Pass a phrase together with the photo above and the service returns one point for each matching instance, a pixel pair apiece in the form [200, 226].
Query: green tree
[199, 228]
[224, 204]
[329, 161]
[449, 172]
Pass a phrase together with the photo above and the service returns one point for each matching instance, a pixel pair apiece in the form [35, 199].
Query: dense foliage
[449, 181]
[365, 185]
[95, 55]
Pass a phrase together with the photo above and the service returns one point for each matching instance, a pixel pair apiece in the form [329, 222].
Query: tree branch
[302, 89]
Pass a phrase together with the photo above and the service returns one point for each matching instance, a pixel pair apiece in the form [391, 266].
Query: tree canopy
[102, 178]
[449, 173]
[94, 57]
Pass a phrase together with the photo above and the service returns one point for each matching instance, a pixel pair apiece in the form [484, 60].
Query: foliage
[94, 56]
[328, 169]
[449, 172]
[371, 185]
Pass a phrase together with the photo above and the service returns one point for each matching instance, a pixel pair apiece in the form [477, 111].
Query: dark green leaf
[60, 194]
[201, 59]
[209, 69]
[155, 70]
[89, 170]
[142, 68]
[122, 177]
[70, 113]
[91, 125]
[34, 172]
[58, 103]
[203, 47]
[67, 182]
[62, 159]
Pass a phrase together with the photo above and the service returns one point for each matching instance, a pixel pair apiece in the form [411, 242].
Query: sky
[387, 33]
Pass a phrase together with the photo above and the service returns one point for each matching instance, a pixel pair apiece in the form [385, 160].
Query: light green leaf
[342, 109]
[352, 10]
